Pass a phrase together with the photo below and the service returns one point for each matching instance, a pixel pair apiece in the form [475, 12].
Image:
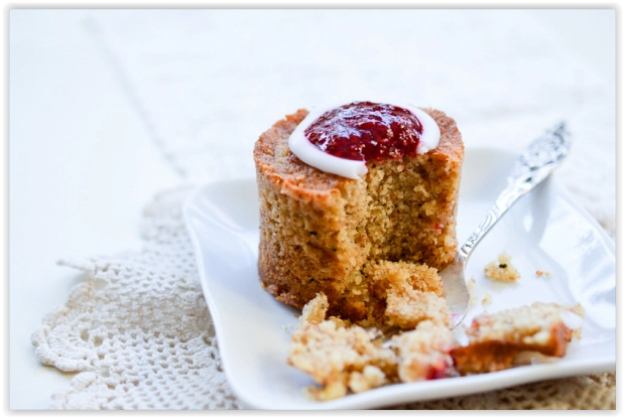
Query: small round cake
[331, 233]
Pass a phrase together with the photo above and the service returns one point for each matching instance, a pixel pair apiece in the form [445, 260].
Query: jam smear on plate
[366, 131]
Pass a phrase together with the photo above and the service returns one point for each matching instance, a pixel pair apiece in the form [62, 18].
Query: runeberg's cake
[358, 240]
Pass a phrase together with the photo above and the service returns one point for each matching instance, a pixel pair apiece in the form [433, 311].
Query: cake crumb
[333, 390]
[487, 299]
[578, 309]
[541, 273]
[502, 270]
[577, 334]
[372, 377]
[471, 285]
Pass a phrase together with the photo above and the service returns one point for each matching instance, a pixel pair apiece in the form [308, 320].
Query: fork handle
[532, 167]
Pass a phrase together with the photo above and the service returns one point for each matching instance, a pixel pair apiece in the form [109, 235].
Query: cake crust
[319, 231]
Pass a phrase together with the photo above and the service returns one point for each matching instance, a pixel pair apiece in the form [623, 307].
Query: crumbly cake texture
[502, 270]
[320, 232]
[495, 340]
[406, 309]
[335, 355]
[407, 293]
[343, 358]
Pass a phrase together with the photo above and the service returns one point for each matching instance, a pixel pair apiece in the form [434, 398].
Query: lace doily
[137, 331]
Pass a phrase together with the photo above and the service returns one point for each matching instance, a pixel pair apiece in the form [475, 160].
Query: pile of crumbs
[345, 358]
[502, 270]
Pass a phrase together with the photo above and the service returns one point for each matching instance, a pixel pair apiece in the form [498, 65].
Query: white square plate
[546, 230]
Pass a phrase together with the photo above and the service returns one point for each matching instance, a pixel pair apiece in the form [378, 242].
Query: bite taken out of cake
[384, 200]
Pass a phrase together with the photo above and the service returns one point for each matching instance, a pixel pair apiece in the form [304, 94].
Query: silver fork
[530, 169]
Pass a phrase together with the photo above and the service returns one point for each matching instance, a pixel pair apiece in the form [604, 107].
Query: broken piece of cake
[495, 340]
[337, 356]
[342, 357]
[424, 354]
[408, 308]
[408, 294]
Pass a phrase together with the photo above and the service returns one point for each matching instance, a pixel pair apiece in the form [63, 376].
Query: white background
[83, 164]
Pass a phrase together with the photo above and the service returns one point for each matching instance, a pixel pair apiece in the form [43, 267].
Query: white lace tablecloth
[207, 83]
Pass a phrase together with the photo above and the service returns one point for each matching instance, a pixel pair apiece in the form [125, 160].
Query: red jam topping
[366, 131]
